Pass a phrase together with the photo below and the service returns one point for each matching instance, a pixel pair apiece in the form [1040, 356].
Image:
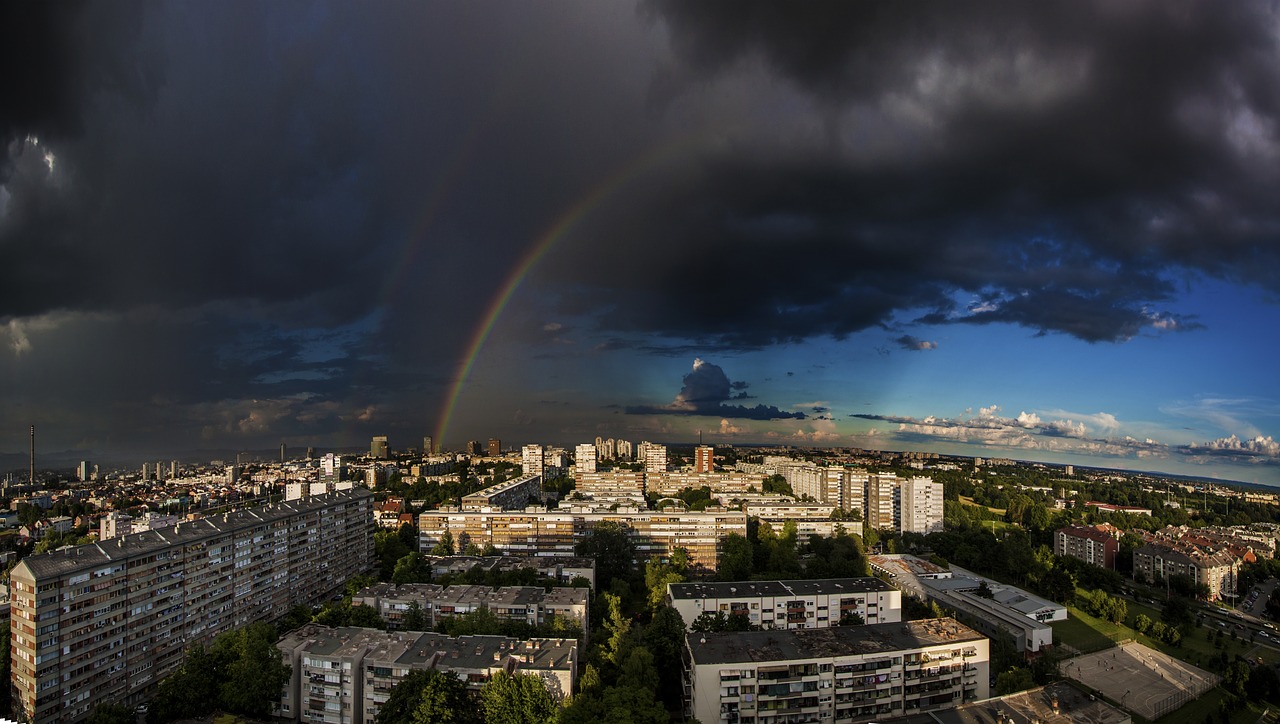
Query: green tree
[388, 548]
[413, 568]
[414, 618]
[1236, 677]
[658, 574]
[255, 671]
[610, 544]
[1058, 584]
[423, 697]
[519, 699]
[736, 558]
[1142, 623]
[443, 547]
[112, 714]
[1014, 680]
[192, 690]
[618, 626]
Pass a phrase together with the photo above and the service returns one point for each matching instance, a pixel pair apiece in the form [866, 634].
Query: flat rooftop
[806, 644]
[753, 589]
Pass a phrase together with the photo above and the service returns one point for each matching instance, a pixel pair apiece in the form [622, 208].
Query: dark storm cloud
[54, 54]
[1066, 167]
[705, 391]
[271, 174]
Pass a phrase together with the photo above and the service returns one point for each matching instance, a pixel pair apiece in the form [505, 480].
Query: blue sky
[1046, 232]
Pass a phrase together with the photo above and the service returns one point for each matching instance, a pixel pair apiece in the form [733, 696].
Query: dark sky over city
[1045, 231]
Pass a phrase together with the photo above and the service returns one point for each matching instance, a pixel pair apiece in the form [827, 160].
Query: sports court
[1141, 679]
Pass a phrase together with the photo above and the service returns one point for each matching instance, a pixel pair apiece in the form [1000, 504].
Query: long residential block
[542, 533]
[820, 603]
[531, 605]
[841, 674]
[345, 675]
[105, 622]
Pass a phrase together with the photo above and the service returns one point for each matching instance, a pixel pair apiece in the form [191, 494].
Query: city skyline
[1043, 233]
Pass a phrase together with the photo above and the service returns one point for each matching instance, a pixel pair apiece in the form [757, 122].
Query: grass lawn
[969, 501]
[1087, 634]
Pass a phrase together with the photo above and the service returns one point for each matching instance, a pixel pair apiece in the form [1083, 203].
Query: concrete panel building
[543, 533]
[345, 675]
[511, 494]
[105, 622]
[819, 603]
[1095, 545]
[532, 605]
[841, 674]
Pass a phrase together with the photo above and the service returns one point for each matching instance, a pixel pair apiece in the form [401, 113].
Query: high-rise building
[331, 466]
[495, 447]
[531, 459]
[610, 450]
[625, 449]
[378, 448]
[655, 457]
[881, 500]
[920, 505]
[311, 453]
[704, 459]
[585, 459]
[104, 622]
[83, 471]
[428, 446]
[473, 447]
[282, 452]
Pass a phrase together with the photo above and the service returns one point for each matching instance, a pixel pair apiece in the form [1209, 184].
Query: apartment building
[532, 605]
[105, 622]
[1216, 570]
[561, 568]
[542, 533]
[920, 506]
[345, 675]
[515, 493]
[584, 459]
[617, 482]
[840, 674]
[811, 519]
[670, 483]
[531, 461]
[1094, 544]
[819, 603]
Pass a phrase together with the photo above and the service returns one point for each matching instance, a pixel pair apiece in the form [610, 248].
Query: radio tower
[31, 480]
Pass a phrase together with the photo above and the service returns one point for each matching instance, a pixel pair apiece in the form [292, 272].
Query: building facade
[704, 459]
[818, 603]
[531, 459]
[1094, 545]
[1218, 571]
[540, 533]
[584, 459]
[345, 675]
[514, 493]
[531, 605]
[841, 674]
[105, 622]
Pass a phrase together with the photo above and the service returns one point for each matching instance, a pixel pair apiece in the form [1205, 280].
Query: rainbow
[561, 227]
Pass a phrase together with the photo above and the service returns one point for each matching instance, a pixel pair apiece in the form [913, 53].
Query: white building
[818, 603]
[921, 506]
[584, 460]
[840, 674]
[655, 457]
[531, 459]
